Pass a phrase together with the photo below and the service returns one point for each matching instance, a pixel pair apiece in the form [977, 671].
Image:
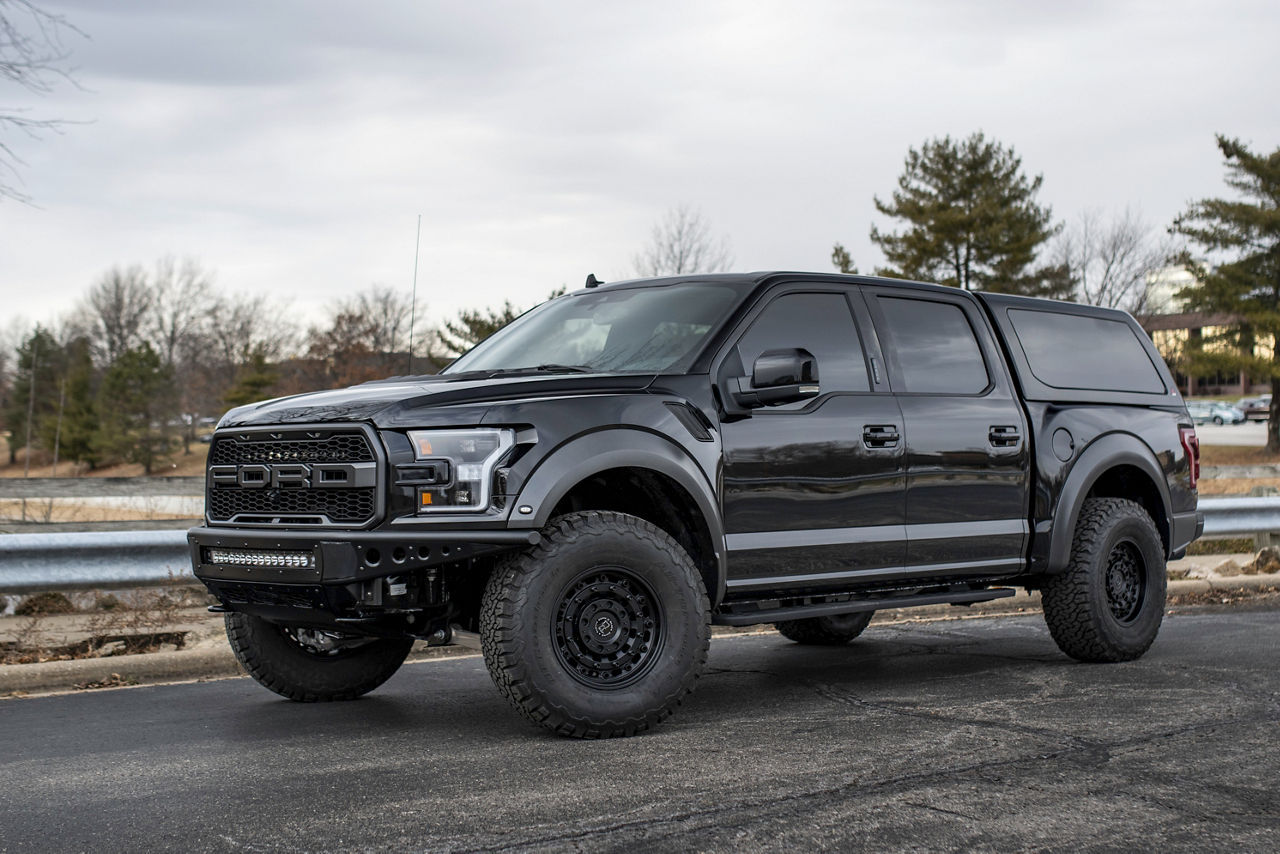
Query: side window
[819, 323]
[935, 346]
[1076, 351]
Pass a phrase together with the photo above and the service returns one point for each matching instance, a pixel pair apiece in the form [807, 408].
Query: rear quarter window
[1072, 351]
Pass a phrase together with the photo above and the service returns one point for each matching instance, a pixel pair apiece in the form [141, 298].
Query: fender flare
[621, 447]
[1106, 452]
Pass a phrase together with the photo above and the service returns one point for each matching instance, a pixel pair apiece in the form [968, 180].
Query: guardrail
[90, 560]
[87, 561]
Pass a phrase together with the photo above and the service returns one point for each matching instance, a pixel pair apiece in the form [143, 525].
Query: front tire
[833, 630]
[1108, 604]
[310, 665]
[598, 631]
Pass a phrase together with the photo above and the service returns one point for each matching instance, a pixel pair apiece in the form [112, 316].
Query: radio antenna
[413, 305]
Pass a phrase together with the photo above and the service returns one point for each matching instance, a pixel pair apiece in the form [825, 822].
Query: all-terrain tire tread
[506, 601]
[1068, 597]
[815, 631]
[252, 646]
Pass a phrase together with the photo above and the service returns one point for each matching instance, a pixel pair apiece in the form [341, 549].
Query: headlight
[469, 458]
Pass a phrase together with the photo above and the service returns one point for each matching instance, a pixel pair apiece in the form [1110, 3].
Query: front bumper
[375, 582]
[344, 557]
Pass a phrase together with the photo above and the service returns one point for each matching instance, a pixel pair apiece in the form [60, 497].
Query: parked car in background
[1255, 408]
[1204, 411]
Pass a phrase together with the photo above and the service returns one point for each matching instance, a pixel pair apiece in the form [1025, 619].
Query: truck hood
[413, 401]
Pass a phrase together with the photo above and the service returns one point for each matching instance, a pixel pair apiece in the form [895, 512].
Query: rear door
[967, 457]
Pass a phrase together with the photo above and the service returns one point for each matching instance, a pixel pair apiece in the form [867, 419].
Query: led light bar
[249, 557]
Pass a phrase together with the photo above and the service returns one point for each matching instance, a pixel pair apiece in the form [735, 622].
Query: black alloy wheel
[609, 628]
[1126, 581]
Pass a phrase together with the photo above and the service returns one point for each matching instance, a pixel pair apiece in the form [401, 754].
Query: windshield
[645, 329]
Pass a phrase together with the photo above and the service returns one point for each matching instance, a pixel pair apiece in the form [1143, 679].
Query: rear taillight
[1191, 445]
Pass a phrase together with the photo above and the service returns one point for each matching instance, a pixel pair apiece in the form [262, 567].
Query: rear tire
[1108, 604]
[825, 631]
[311, 666]
[598, 631]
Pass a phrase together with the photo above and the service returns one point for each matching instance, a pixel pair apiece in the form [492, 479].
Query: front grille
[295, 502]
[339, 448]
[343, 506]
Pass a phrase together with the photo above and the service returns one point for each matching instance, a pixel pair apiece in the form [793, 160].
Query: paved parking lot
[1250, 433]
[972, 734]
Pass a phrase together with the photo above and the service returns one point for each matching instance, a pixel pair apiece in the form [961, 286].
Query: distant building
[1174, 330]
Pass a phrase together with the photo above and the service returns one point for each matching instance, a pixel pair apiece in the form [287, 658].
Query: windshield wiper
[549, 368]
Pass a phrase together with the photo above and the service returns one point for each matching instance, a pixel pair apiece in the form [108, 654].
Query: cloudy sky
[291, 146]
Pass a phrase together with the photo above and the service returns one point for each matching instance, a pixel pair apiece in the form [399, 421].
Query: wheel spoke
[1125, 581]
[608, 630]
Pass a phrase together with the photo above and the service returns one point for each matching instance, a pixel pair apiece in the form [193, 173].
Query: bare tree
[239, 325]
[681, 242]
[367, 336]
[116, 312]
[181, 296]
[240, 333]
[33, 56]
[1110, 259]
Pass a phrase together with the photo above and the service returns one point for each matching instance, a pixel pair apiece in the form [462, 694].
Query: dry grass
[1234, 486]
[1235, 455]
[182, 465]
[136, 622]
[70, 510]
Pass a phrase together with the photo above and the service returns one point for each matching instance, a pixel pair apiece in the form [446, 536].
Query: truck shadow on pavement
[455, 699]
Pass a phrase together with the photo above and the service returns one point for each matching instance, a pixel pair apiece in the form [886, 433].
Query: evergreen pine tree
[253, 381]
[79, 413]
[136, 400]
[972, 221]
[41, 352]
[1240, 278]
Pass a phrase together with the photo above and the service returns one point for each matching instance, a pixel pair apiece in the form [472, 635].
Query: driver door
[813, 492]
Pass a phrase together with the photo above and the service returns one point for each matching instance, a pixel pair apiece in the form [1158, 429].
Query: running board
[827, 609]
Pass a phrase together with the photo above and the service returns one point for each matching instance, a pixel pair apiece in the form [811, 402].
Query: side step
[827, 609]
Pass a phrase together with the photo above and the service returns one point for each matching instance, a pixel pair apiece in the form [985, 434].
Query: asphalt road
[973, 734]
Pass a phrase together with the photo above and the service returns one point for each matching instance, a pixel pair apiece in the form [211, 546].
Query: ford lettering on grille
[294, 477]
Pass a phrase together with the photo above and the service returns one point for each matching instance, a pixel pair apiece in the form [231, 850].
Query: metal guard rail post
[85, 561]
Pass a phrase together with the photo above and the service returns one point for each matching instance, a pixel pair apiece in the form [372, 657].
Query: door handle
[880, 436]
[1004, 436]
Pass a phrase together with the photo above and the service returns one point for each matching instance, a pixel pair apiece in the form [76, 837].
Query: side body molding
[582, 457]
[1106, 452]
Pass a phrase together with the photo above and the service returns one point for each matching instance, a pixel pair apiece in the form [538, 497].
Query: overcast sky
[290, 146]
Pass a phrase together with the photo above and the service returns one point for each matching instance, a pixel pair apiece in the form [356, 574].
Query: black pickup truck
[586, 492]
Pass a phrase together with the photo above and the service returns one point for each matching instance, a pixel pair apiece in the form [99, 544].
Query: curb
[217, 662]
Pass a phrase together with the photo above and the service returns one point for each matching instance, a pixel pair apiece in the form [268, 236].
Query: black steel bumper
[344, 557]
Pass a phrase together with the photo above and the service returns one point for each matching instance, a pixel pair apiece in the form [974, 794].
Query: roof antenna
[592, 281]
[413, 305]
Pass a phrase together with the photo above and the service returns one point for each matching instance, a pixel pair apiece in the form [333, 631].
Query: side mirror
[777, 377]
